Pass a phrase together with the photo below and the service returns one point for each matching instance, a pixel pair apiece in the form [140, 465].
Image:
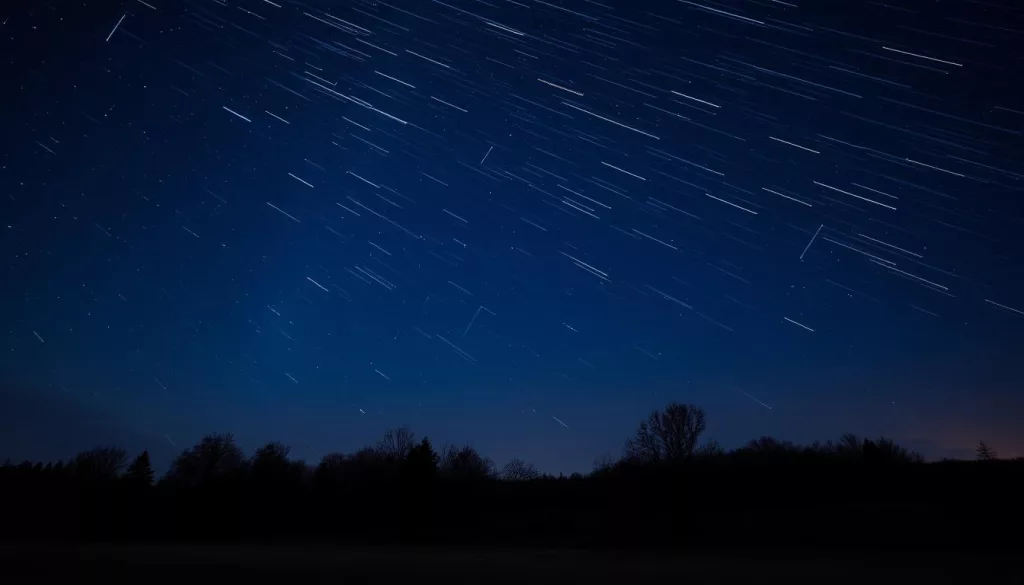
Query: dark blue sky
[521, 224]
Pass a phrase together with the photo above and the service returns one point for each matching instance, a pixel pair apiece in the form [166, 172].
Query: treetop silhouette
[668, 487]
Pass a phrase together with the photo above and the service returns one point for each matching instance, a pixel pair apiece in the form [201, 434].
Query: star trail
[521, 224]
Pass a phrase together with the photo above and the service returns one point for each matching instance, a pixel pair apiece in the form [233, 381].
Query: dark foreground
[201, 564]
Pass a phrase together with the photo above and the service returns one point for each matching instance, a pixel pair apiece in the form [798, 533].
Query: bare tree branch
[671, 435]
[519, 470]
[396, 443]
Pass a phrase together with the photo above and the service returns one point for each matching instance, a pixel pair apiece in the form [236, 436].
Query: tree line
[667, 489]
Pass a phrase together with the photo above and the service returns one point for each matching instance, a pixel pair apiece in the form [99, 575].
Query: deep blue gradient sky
[521, 224]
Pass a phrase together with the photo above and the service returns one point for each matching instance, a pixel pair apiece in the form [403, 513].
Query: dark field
[200, 564]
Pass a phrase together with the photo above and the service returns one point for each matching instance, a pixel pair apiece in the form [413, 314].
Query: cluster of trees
[667, 488]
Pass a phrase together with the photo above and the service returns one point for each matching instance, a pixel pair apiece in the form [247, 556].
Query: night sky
[520, 224]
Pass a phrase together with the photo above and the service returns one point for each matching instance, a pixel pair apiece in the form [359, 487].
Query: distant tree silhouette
[770, 446]
[402, 491]
[140, 472]
[100, 464]
[271, 468]
[872, 453]
[464, 463]
[849, 444]
[603, 464]
[396, 443]
[333, 461]
[667, 436]
[518, 470]
[710, 449]
[984, 452]
[882, 451]
[422, 461]
[270, 460]
[371, 464]
[215, 458]
[891, 452]
[329, 472]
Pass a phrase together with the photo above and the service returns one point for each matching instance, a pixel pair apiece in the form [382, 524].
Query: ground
[196, 565]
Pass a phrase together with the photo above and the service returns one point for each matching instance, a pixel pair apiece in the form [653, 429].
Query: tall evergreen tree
[140, 472]
[984, 452]
[422, 460]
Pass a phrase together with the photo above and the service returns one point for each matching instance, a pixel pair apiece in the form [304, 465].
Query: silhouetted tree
[329, 471]
[891, 452]
[379, 495]
[100, 464]
[140, 472]
[270, 468]
[396, 443]
[667, 436]
[518, 470]
[422, 461]
[984, 452]
[603, 464]
[710, 449]
[270, 460]
[333, 460]
[770, 446]
[849, 444]
[872, 453]
[215, 458]
[367, 465]
[464, 463]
